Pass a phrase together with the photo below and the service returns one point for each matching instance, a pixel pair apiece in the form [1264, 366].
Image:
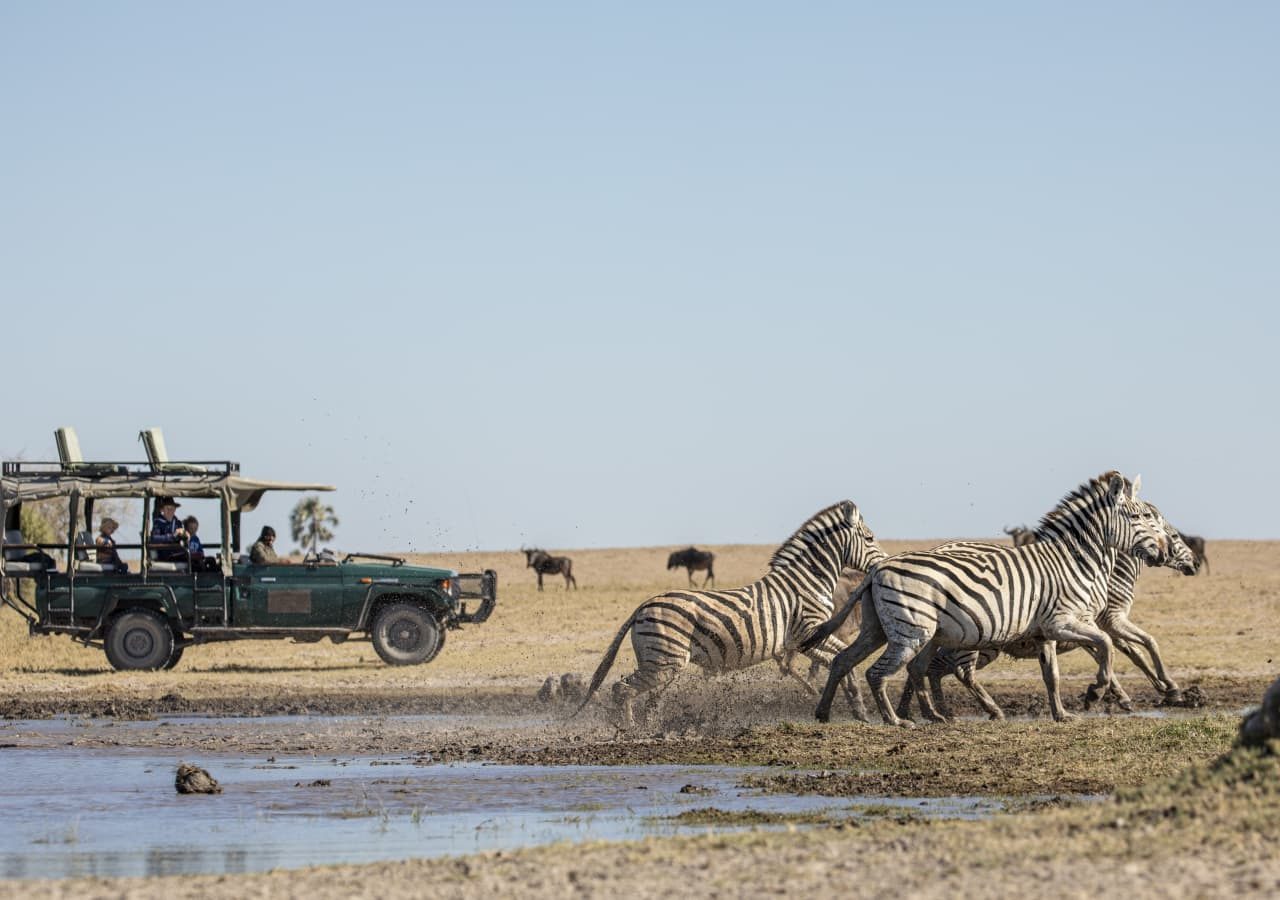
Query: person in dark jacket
[167, 534]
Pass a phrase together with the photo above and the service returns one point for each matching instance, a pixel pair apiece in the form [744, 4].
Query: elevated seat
[14, 564]
[158, 455]
[166, 565]
[73, 460]
[84, 565]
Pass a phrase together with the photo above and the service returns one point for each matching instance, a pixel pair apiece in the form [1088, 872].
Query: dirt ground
[1217, 632]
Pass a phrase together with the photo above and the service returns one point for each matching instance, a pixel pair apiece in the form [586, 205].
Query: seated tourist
[263, 553]
[167, 534]
[106, 544]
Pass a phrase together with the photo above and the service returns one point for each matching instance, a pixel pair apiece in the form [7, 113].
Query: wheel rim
[139, 643]
[405, 635]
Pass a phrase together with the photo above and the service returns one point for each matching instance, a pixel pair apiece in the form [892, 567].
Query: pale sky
[641, 274]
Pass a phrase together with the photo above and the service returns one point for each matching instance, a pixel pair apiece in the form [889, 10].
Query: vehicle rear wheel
[176, 655]
[139, 639]
[406, 634]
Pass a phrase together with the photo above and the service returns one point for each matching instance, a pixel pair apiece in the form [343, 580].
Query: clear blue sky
[614, 274]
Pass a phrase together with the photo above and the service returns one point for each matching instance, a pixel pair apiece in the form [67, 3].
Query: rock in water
[195, 780]
[1263, 724]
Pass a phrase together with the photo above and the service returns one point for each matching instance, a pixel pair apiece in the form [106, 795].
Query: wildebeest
[694, 560]
[1021, 535]
[544, 563]
[1196, 544]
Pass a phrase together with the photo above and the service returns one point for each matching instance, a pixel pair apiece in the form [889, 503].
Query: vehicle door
[295, 596]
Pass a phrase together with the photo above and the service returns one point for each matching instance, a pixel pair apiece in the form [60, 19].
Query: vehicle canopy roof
[241, 494]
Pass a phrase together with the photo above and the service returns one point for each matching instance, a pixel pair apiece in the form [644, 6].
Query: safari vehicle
[146, 619]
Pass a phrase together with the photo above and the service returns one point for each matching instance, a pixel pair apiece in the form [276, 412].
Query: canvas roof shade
[242, 494]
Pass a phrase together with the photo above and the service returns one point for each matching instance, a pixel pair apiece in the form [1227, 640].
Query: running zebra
[724, 631]
[1114, 620]
[980, 599]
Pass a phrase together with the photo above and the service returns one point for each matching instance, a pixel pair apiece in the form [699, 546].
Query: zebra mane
[797, 546]
[1070, 506]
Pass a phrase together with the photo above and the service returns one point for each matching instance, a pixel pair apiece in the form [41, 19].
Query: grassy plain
[1189, 816]
[1220, 630]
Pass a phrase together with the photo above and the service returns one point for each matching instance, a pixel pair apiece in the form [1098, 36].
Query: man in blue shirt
[167, 533]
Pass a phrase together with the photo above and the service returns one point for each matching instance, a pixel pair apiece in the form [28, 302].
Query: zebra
[544, 563]
[1196, 543]
[1114, 620]
[724, 631]
[1051, 589]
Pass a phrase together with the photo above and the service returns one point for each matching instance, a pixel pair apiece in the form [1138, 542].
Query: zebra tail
[606, 664]
[829, 627]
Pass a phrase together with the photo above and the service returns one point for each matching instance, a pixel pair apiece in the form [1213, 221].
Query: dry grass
[1223, 624]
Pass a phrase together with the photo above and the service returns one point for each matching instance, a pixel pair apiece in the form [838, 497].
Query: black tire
[139, 639]
[406, 634]
[174, 657]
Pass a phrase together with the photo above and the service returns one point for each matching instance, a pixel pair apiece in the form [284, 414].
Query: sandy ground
[1217, 632]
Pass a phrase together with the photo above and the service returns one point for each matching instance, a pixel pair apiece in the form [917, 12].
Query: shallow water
[71, 812]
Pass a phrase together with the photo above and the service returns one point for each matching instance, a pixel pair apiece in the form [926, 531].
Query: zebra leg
[1127, 634]
[643, 680]
[916, 672]
[824, 654]
[1090, 635]
[904, 702]
[939, 694]
[899, 653]
[967, 676]
[785, 662]
[870, 639]
[1115, 693]
[1049, 670]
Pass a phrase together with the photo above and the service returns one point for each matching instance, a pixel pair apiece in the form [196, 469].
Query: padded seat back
[14, 564]
[158, 455]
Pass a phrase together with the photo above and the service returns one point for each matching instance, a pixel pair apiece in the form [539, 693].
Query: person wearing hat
[263, 552]
[167, 534]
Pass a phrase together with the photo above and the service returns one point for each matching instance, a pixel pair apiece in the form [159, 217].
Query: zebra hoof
[1065, 717]
[996, 716]
[904, 723]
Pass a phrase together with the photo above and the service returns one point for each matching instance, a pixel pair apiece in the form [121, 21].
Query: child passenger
[106, 544]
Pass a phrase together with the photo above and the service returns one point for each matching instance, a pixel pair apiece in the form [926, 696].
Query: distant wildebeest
[1197, 548]
[1021, 535]
[694, 560]
[544, 563]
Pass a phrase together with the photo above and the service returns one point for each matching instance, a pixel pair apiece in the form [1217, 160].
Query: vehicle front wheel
[406, 634]
[139, 639]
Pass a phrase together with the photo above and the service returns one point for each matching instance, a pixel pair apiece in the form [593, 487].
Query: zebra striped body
[723, 631]
[974, 599]
[1112, 619]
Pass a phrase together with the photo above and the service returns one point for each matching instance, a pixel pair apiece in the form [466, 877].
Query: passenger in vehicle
[191, 525]
[167, 533]
[263, 553]
[106, 544]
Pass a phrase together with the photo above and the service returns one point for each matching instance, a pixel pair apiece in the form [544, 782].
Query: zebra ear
[851, 512]
[1137, 483]
[1117, 488]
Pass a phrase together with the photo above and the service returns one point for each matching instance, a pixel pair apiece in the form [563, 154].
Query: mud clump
[569, 689]
[1192, 698]
[1263, 724]
[195, 780]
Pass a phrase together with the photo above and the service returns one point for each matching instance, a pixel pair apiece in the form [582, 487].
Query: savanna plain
[1157, 801]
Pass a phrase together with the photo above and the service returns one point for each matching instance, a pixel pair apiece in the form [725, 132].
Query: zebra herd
[949, 610]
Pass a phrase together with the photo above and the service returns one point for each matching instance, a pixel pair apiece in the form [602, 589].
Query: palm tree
[310, 521]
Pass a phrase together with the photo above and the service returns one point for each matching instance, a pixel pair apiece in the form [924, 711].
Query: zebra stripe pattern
[977, 599]
[723, 631]
[1113, 619]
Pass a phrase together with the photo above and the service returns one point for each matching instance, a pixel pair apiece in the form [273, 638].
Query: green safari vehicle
[146, 619]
